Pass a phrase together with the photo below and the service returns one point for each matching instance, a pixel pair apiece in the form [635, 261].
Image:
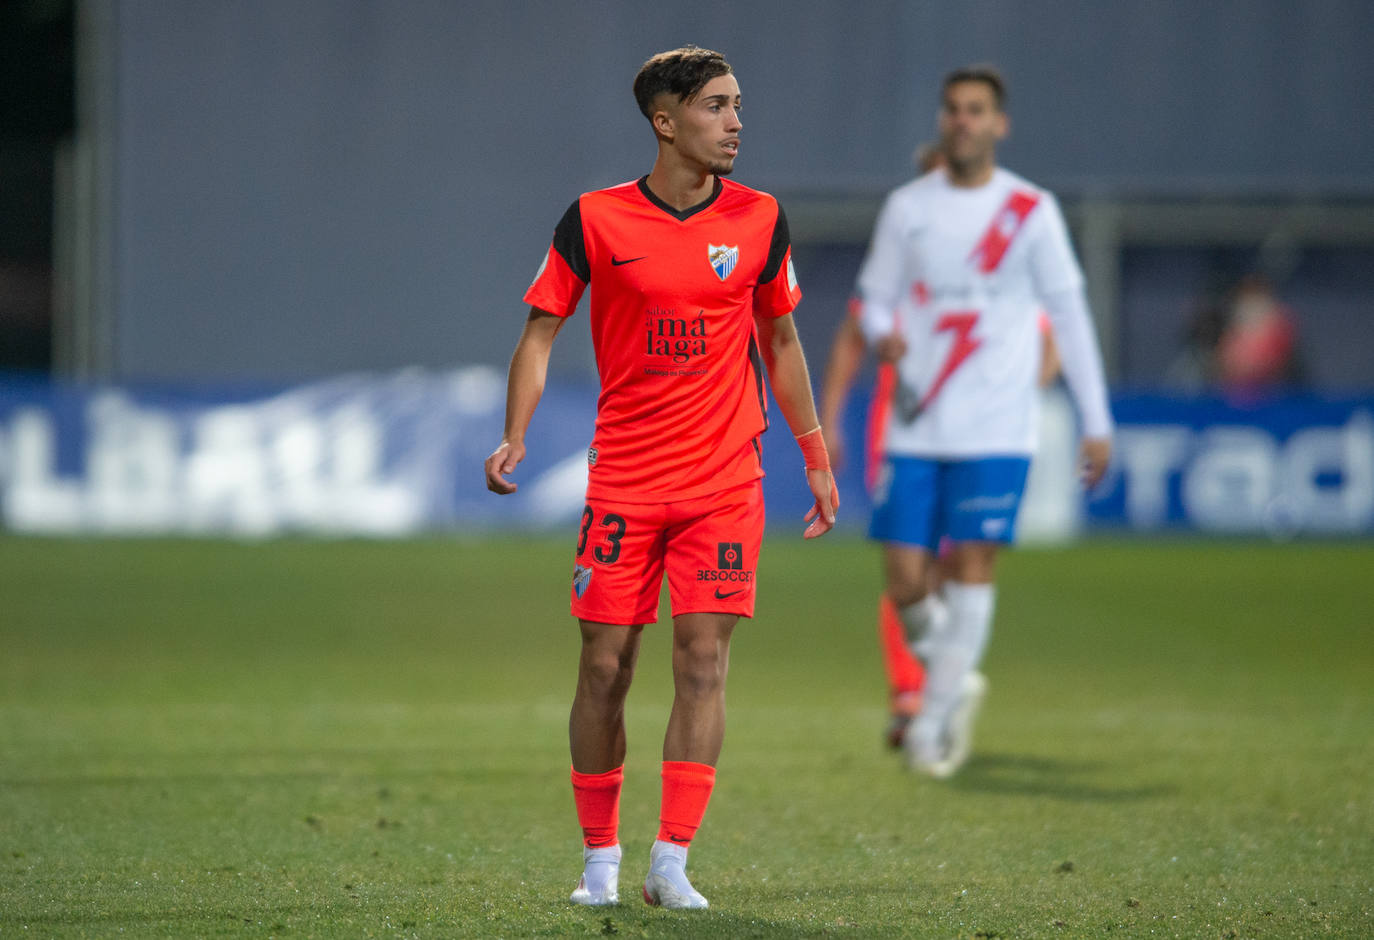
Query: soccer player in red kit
[692, 292]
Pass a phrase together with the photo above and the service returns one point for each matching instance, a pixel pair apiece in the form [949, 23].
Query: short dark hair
[987, 74]
[682, 72]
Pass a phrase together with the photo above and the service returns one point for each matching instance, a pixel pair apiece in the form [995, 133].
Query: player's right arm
[558, 285]
[882, 281]
[529, 366]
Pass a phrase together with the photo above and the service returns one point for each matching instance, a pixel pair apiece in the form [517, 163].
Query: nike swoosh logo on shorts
[617, 262]
[721, 597]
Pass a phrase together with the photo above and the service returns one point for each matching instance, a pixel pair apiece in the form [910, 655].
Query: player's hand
[890, 348]
[822, 515]
[502, 462]
[1093, 456]
[834, 443]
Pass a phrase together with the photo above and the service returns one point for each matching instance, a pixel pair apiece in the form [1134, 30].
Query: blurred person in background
[905, 676]
[1241, 342]
[692, 292]
[961, 263]
[903, 670]
[1257, 352]
[1193, 369]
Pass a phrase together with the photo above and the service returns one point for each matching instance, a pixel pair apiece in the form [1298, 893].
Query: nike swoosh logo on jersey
[721, 597]
[617, 262]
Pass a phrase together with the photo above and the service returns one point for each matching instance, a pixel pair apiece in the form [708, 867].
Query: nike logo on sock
[673, 838]
[617, 262]
[600, 845]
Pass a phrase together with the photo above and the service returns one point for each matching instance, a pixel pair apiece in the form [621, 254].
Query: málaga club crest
[723, 258]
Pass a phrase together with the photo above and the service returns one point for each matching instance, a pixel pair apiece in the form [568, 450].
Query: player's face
[706, 128]
[971, 124]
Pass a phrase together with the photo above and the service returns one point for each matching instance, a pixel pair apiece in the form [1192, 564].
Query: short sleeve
[564, 273]
[777, 292]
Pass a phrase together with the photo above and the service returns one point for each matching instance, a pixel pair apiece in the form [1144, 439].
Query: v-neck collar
[685, 214]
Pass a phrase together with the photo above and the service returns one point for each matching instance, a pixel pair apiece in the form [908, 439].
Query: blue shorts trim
[919, 501]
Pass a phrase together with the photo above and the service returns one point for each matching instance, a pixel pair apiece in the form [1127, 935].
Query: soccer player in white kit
[962, 261]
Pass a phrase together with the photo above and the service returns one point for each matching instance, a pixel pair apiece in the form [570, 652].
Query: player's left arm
[1059, 284]
[790, 381]
[846, 359]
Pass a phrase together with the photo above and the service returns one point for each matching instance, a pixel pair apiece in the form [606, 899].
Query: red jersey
[674, 296]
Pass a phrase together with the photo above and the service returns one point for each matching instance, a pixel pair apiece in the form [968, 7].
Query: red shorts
[709, 547]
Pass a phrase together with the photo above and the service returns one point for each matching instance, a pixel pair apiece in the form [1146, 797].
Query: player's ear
[1003, 125]
[663, 124]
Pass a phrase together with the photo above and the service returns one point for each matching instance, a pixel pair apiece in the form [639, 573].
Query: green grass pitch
[360, 739]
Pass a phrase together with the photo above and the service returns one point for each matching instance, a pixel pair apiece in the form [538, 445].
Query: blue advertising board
[1282, 467]
[400, 453]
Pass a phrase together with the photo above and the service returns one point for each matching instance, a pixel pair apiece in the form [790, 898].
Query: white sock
[958, 648]
[971, 607]
[924, 623]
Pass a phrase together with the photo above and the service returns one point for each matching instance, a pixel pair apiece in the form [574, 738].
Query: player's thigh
[905, 503]
[618, 572]
[982, 497]
[712, 552]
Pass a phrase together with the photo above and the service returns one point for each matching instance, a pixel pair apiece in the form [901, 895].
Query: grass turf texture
[368, 739]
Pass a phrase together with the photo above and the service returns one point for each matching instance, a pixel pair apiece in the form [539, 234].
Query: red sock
[686, 791]
[598, 806]
[904, 672]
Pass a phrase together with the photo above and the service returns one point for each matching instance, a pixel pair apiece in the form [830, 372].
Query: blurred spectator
[1257, 350]
[1243, 343]
[1194, 368]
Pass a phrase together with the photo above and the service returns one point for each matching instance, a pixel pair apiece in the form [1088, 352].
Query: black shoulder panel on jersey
[777, 249]
[568, 242]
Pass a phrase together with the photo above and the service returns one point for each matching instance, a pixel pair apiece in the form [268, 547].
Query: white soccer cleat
[600, 882]
[667, 884]
[923, 743]
[939, 748]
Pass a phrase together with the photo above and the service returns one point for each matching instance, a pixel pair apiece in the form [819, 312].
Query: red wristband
[814, 454]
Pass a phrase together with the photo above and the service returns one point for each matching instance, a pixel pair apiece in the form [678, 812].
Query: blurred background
[261, 263]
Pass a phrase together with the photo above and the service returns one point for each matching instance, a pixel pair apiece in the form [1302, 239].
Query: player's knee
[975, 563]
[606, 672]
[908, 574]
[903, 592]
[699, 668]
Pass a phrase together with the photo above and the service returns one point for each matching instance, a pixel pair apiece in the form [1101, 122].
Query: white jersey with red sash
[963, 274]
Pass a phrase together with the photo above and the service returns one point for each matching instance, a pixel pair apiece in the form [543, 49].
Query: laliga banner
[1294, 466]
[376, 455]
[365, 455]
[401, 453]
